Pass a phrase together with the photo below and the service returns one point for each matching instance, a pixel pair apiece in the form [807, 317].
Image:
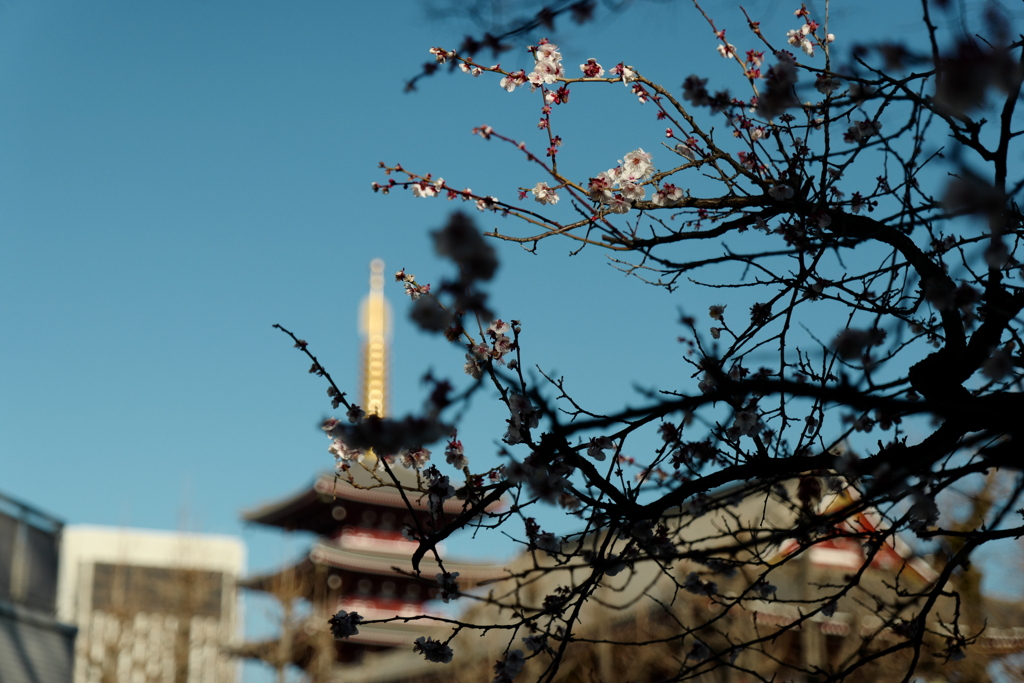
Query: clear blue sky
[175, 177]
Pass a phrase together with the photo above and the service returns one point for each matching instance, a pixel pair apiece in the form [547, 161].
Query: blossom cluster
[627, 178]
[524, 417]
[495, 346]
[433, 650]
[448, 581]
[509, 667]
[345, 624]
[439, 490]
[547, 68]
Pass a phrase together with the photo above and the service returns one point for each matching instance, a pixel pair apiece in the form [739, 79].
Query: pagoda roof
[359, 484]
[389, 563]
[296, 580]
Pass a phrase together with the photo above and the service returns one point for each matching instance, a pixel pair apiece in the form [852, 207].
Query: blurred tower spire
[375, 327]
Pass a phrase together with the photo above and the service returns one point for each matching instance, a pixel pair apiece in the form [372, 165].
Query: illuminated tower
[375, 326]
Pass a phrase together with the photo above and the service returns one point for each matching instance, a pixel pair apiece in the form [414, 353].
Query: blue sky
[178, 176]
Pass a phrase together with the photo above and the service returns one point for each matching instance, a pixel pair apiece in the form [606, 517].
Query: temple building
[361, 560]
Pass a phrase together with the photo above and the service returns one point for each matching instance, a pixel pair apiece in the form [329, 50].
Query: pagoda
[361, 561]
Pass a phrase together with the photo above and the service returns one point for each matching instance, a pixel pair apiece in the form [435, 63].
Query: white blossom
[544, 194]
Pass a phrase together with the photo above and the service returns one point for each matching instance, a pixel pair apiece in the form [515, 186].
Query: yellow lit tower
[375, 327]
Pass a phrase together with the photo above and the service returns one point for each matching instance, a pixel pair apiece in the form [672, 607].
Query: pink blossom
[600, 188]
[667, 195]
[591, 69]
[414, 458]
[455, 454]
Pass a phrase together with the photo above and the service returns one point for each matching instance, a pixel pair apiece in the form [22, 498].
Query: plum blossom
[798, 38]
[667, 195]
[631, 191]
[780, 192]
[345, 624]
[748, 422]
[716, 311]
[600, 188]
[536, 643]
[455, 454]
[449, 585]
[636, 166]
[727, 50]
[627, 177]
[547, 67]
[486, 203]
[414, 458]
[355, 413]
[513, 80]
[544, 194]
[508, 668]
[433, 650]
[439, 491]
[501, 343]
[474, 70]
[618, 204]
[425, 188]
[625, 72]
[473, 367]
[524, 416]
[862, 130]
[591, 69]
[342, 453]
[826, 84]
[598, 445]
[441, 54]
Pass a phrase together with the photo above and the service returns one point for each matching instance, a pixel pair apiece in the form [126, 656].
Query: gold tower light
[375, 327]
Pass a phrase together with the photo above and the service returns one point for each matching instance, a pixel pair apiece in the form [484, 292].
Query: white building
[150, 606]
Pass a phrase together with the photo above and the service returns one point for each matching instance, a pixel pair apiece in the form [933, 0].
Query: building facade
[150, 606]
[35, 647]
